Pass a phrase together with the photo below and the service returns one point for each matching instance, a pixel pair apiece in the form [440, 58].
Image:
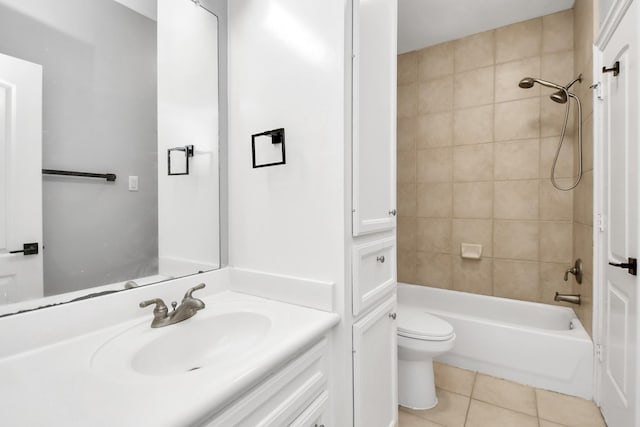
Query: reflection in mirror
[93, 89]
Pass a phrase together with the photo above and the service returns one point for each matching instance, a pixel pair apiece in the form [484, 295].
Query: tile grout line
[505, 408]
[473, 385]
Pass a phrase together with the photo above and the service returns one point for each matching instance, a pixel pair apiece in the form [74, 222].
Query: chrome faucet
[187, 308]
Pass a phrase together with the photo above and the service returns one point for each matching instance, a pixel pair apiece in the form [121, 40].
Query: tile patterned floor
[471, 399]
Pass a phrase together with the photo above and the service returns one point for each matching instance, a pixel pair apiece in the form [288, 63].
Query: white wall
[188, 218]
[287, 61]
[286, 69]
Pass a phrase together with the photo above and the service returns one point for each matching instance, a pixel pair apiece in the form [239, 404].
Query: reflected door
[619, 296]
[20, 178]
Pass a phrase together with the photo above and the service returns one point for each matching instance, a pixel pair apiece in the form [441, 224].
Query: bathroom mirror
[93, 96]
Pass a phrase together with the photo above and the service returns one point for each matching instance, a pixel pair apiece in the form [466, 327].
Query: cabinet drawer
[311, 417]
[374, 272]
[283, 397]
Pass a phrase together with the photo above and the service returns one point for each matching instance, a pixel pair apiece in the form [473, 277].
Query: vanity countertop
[73, 383]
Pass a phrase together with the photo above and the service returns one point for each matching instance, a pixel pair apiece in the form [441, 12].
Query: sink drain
[194, 368]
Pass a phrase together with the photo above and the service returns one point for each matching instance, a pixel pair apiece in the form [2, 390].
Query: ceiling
[423, 23]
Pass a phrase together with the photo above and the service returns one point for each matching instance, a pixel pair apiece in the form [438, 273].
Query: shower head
[528, 82]
[560, 97]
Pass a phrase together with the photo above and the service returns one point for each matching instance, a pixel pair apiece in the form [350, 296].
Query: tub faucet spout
[571, 298]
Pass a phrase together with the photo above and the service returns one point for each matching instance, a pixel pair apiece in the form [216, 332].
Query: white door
[618, 297]
[375, 368]
[374, 115]
[20, 178]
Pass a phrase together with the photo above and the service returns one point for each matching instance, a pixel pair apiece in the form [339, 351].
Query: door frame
[600, 257]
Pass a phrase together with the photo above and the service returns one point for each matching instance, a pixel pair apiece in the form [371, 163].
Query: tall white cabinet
[374, 115]
[373, 255]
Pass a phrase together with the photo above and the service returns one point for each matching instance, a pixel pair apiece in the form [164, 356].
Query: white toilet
[421, 337]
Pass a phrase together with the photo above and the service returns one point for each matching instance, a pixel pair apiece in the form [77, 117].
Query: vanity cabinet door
[294, 395]
[374, 115]
[375, 377]
[313, 414]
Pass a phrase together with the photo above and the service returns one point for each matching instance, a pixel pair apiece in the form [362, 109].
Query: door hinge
[597, 88]
[599, 352]
[599, 222]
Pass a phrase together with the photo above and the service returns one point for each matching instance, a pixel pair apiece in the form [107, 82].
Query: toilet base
[416, 384]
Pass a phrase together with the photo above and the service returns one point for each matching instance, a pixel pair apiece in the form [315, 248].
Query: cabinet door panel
[375, 376]
[374, 273]
[374, 115]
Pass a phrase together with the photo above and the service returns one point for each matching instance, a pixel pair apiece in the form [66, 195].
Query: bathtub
[541, 345]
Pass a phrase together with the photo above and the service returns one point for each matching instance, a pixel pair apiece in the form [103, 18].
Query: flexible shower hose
[564, 131]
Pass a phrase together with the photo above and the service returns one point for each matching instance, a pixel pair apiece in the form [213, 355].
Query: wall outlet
[133, 183]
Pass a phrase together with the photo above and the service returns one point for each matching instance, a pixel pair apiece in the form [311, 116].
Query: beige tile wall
[474, 153]
[583, 197]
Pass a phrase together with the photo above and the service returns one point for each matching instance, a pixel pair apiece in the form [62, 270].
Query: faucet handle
[192, 290]
[576, 270]
[160, 307]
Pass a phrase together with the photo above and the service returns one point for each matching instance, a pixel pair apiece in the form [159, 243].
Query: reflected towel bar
[108, 176]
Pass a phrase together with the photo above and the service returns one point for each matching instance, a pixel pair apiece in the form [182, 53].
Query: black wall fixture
[277, 137]
[188, 152]
[108, 176]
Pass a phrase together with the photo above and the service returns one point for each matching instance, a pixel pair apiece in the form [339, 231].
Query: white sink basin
[202, 342]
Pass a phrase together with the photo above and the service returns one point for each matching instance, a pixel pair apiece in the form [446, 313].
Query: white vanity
[242, 360]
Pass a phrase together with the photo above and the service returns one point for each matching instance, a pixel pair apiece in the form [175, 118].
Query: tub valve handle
[576, 270]
[393, 316]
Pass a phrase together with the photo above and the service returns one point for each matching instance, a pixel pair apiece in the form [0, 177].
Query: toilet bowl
[421, 337]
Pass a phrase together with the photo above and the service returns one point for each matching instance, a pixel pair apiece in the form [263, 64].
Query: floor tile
[451, 410]
[405, 419]
[454, 379]
[568, 410]
[506, 394]
[484, 415]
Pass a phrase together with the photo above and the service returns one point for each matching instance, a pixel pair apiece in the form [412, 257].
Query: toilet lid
[416, 323]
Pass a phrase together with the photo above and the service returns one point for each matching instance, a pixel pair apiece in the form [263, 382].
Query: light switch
[133, 183]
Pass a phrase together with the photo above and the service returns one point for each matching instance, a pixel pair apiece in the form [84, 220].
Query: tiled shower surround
[474, 155]
[583, 25]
